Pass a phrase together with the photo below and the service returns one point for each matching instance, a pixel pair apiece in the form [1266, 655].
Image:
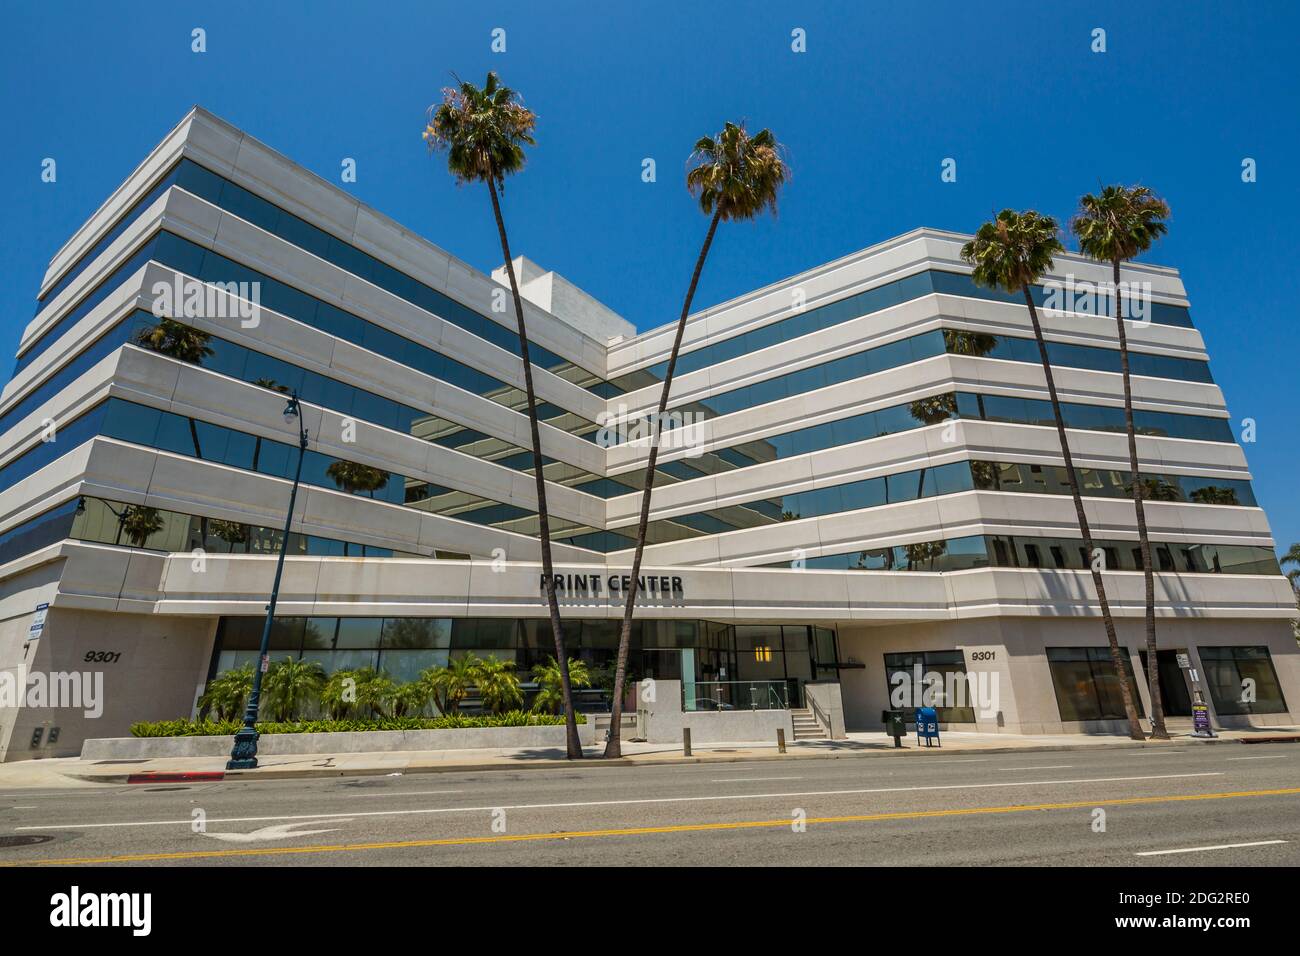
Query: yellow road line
[643, 831]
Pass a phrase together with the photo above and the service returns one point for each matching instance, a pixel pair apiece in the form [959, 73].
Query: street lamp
[243, 756]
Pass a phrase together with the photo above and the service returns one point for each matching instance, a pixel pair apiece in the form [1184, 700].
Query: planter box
[374, 741]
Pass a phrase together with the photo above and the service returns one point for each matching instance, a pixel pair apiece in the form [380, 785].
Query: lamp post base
[243, 756]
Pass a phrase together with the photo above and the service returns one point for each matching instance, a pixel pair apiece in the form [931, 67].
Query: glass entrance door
[1175, 698]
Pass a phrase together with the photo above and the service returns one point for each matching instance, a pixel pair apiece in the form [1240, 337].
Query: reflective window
[1087, 684]
[1242, 680]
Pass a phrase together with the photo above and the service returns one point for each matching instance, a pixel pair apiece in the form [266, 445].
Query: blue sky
[884, 93]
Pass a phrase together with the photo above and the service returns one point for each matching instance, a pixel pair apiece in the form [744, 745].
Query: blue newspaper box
[927, 725]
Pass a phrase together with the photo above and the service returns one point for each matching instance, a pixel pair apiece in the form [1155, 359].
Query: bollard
[780, 739]
[686, 741]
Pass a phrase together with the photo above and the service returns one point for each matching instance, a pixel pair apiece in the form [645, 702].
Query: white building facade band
[864, 488]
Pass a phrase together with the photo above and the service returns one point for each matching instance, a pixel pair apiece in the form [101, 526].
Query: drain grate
[26, 839]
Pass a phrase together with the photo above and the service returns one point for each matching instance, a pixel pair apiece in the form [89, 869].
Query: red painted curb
[181, 777]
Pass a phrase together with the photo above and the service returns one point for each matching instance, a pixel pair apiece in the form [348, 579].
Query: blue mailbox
[927, 725]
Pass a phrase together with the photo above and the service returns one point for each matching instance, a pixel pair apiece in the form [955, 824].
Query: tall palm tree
[351, 476]
[1293, 557]
[484, 132]
[1117, 224]
[734, 177]
[1011, 253]
[139, 523]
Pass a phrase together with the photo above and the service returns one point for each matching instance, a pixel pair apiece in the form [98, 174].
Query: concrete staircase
[806, 726]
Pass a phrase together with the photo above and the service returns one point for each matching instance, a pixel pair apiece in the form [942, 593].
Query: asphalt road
[1162, 807]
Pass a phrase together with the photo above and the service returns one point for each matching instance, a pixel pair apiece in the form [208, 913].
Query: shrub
[212, 728]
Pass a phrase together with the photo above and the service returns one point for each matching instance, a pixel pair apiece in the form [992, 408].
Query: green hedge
[216, 728]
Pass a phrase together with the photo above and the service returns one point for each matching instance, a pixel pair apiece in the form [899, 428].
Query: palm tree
[227, 693]
[351, 476]
[734, 177]
[547, 676]
[1156, 489]
[450, 684]
[176, 340]
[410, 699]
[498, 685]
[374, 691]
[1121, 223]
[934, 409]
[291, 685]
[484, 132]
[338, 697]
[1215, 495]
[1011, 253]
[1293, 557]
[231, 532]
[139, 522]
[924, 553]
[179, 341]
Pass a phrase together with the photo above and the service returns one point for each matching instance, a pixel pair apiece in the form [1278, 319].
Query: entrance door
[1174, 695]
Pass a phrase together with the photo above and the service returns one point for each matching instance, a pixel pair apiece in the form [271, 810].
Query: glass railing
[735, 695]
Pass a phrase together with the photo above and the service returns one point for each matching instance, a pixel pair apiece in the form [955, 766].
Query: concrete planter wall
[661, 721]
[476, 738]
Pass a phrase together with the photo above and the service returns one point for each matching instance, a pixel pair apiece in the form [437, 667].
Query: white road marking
[749, 779]
[1201, 849]
[1156, 753]
[620, 803]
[1273, 757]
[1058, 766]
[280, 831]
[399, 793]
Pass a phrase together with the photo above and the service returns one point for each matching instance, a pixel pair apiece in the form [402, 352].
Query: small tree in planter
[450, 684]
[550, 698]
[291, 685]
[498, 685]
[227, 693]
[338, 697]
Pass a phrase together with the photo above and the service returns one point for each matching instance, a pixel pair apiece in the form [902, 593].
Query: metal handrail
[822, 718]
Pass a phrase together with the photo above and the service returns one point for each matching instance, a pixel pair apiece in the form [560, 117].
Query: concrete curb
[251, 776]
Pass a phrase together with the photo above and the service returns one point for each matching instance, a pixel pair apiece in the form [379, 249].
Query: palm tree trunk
[1121, 673]
[614, 745]
[572, 746]
[1158, 730]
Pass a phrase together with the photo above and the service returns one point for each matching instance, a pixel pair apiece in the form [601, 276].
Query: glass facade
[936, 409]
[1242, 680]
[852, 307]
[1008, 551]
[1087, 685]
[718, 658]
[930, 679]
[239, 201]
[939, 342]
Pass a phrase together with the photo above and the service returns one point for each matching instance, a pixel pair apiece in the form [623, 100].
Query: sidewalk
[70, 772]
